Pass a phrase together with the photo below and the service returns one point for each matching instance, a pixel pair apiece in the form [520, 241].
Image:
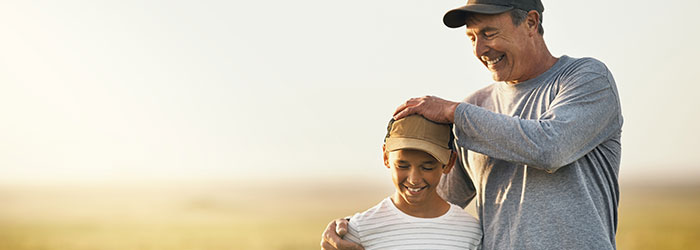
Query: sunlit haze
[244, 90]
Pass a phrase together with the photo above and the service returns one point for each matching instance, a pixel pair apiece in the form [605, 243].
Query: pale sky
[121, 90]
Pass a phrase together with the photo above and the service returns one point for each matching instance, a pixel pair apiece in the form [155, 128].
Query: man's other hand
[331, 239]
[431, 107]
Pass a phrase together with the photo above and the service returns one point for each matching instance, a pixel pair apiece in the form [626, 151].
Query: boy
[417, 152]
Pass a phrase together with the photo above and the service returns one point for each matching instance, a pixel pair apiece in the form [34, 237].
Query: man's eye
[489, 35]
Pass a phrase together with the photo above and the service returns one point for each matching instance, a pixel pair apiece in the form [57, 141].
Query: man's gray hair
[518, 16]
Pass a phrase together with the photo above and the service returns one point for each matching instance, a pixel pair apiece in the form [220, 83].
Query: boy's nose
[414, 177]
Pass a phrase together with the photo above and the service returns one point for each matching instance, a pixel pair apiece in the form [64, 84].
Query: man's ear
[533, 22]
[451, 163]
[386, 156]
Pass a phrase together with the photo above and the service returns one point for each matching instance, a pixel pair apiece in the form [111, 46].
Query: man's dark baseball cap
[457, 17]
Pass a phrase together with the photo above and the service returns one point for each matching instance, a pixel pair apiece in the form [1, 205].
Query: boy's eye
[428, 168]
[402, 166]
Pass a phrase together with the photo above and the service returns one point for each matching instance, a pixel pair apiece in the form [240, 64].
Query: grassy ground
[286, 216]
[659, 218]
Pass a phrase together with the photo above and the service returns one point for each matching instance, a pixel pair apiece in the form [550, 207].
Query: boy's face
[416, 175]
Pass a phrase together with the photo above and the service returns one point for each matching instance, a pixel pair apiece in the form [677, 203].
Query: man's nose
[480, 47]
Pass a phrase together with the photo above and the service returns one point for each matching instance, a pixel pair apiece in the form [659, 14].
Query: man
[541, 145]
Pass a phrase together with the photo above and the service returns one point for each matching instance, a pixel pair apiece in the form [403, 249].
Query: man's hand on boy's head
[331, 239]
[431, 107]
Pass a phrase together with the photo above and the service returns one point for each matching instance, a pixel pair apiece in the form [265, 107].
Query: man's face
[505, 49]
[416, 175]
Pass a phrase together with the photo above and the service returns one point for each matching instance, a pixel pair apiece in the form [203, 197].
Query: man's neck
[541, 61]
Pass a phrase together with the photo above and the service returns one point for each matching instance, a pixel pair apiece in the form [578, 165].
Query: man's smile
[492, 62]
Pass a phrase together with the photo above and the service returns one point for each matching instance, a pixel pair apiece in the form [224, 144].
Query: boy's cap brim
[440, 153]
[458, 17]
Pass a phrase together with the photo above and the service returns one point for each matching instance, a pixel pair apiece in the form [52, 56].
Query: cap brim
[441, 154]
[458, 17]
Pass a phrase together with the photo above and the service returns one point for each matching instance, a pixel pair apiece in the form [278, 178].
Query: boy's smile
[415, 190]
[416, 175]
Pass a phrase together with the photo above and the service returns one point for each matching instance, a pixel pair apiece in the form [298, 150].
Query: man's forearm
[545, 144]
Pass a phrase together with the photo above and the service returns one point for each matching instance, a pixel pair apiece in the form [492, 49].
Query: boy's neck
[432, 208]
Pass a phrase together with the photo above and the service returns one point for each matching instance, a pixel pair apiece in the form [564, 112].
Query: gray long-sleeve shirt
[543, 156]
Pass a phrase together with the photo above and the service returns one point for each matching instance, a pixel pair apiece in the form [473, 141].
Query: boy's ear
[386, 156]
[451, 163]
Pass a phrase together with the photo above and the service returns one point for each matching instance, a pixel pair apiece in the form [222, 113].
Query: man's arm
[456, 187]
[583, 115]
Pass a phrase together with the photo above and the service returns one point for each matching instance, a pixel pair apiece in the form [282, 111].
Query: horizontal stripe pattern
[385, 227]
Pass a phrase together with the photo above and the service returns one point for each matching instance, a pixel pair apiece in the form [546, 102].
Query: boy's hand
[431, 107]
[331, 239]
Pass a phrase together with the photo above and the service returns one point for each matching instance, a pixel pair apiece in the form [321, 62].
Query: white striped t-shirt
[384, 226]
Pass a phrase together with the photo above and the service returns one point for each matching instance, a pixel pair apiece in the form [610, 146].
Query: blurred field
[255, 216]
